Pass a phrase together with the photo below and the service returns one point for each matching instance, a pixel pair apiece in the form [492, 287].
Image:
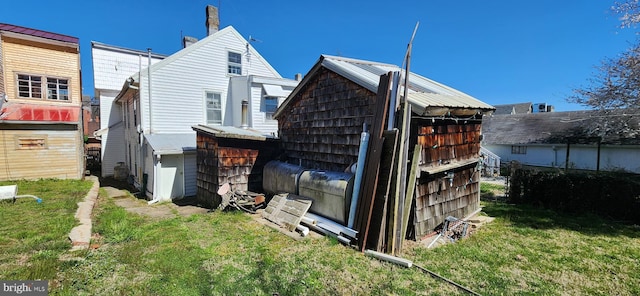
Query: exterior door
[172, 176]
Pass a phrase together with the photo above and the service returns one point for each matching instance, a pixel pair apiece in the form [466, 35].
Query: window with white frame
[270, 106]
[213, 103]
[34, 86]
[29, 86]
[57, 89]
[235, 63]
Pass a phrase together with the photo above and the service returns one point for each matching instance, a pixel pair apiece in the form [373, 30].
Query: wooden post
[415, 163]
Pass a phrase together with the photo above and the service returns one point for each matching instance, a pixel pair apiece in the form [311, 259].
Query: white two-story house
[112, 65]
[219, 80]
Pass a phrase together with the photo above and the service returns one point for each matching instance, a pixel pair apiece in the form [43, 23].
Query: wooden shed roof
[612, 126]
[232, 132]
[423, 92]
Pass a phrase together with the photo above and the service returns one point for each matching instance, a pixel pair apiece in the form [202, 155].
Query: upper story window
[235, 63]
[270, 106]
[57, 89]
[214, 107]
[32, 87]
[29, 86]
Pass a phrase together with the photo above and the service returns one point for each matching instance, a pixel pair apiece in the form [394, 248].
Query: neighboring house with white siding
[606, 140]
[112, 65]
[214, 81]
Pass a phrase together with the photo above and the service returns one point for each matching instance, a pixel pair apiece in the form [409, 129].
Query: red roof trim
[38, 33]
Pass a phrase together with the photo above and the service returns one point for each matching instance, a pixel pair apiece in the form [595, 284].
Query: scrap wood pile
[290, 211]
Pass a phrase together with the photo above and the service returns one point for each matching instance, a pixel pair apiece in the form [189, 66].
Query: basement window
[31, 142]
[235, 63]
[518, 149]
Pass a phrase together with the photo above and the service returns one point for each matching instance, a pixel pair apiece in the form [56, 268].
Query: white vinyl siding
[112, 67]
[179, 81]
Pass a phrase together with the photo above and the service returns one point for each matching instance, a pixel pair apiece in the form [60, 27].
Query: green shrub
[613, 195]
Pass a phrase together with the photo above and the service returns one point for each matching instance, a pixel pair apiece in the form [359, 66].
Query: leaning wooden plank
[411, 186]
[287, 210]
[370, 181]
[379, 215]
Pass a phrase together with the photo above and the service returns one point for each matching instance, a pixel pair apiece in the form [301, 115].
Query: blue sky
[497, 51]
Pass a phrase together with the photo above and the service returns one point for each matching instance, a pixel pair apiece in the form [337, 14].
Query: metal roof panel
[38, 33]
[171, 143]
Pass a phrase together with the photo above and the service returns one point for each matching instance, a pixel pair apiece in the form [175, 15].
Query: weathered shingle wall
[236, 161]
[321, 128]
[437, 198]
[443, 142]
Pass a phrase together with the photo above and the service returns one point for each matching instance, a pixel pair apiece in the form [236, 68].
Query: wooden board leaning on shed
[370, 179]
[287, 210]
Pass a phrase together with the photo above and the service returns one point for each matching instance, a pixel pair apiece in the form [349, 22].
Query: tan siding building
[40, 118]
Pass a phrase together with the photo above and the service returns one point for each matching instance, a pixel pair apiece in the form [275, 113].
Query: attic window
[235, 63]
[518, 149]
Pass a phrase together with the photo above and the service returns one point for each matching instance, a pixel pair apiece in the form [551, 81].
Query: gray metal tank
[280, 177]
[331, 193]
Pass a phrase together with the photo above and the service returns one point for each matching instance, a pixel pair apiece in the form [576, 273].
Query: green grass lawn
[525, 251]
[33, 235]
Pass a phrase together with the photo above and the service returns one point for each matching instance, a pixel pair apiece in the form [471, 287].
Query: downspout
[157, 162]
[149, 89]
[140, 131]
[155, 180]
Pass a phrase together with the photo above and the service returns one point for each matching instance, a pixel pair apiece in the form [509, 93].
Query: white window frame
[31, 85]
[50, 88]
[58, 87]
[207, 108]
[234, 60]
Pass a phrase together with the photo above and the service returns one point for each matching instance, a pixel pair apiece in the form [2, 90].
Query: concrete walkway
[80, 235]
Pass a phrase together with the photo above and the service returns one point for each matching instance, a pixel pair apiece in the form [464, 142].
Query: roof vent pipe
[213, 22]
[298, 77]
[245, 114]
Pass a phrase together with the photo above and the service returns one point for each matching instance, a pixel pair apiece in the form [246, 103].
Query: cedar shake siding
[322, 126]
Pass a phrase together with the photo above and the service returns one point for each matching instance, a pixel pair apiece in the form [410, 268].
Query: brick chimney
[213, 22]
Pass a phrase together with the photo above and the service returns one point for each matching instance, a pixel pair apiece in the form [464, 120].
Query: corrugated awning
[275, 91]
[231, 132]
[40, 113]
[163, 144]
